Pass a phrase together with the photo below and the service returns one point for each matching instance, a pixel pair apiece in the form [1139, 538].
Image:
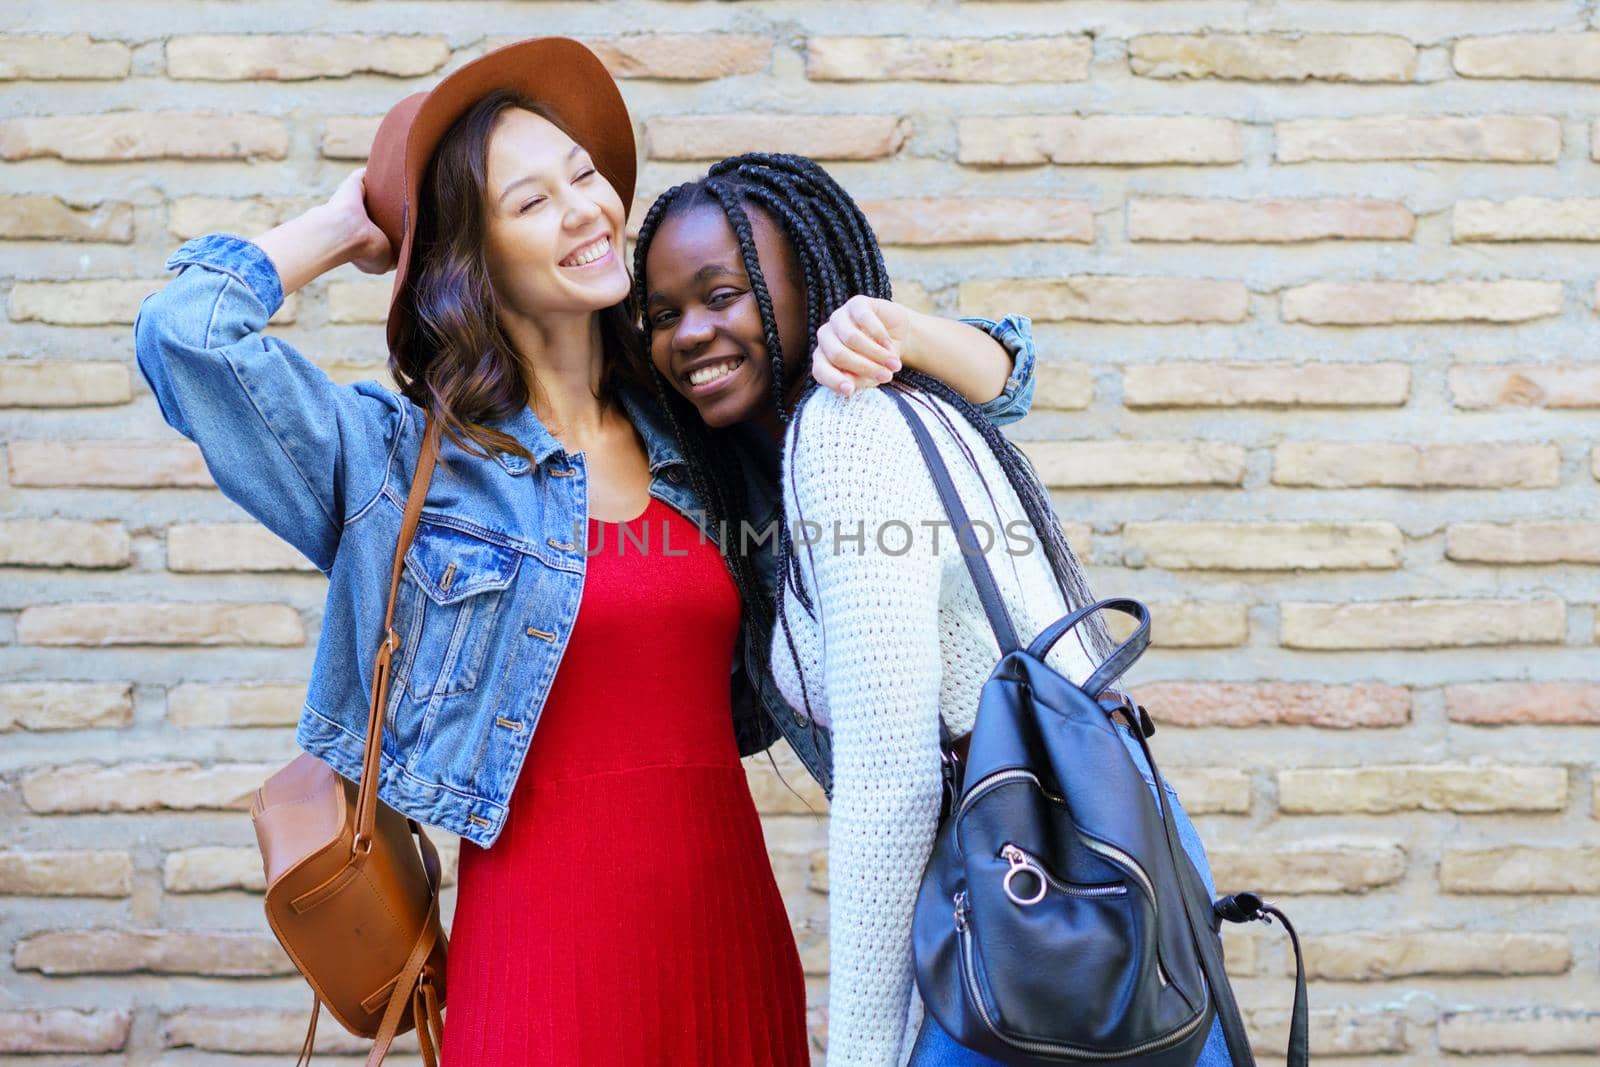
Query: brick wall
[1314, 288]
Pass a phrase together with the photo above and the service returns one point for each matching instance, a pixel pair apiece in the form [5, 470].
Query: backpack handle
[1116, 664]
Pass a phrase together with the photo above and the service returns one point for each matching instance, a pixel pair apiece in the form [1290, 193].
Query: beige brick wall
[1315, 288]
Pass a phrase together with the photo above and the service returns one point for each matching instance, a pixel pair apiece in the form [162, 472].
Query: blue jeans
[935, 1048]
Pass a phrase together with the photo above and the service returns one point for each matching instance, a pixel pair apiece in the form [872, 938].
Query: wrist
[915, 347]
[343, 232]
[309, 245]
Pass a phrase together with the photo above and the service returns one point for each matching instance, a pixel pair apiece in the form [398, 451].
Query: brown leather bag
[350, 898]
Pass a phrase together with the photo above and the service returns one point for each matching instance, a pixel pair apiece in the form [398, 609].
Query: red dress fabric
[628, 914]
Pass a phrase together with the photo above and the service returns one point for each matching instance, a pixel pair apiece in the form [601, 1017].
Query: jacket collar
[660, 443]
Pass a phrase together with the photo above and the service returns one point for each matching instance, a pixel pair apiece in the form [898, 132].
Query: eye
[724, 296]
[528, 205]
[662, 320]
[587, 172]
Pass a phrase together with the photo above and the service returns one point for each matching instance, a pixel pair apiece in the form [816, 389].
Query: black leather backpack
[1059, 918]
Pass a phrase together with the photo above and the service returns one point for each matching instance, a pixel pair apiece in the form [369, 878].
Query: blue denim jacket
[494, 575]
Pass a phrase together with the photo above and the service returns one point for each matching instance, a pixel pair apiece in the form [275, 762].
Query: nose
[694, 328]
[582, 210]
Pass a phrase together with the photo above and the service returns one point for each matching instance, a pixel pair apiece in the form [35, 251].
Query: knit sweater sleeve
[854, 465]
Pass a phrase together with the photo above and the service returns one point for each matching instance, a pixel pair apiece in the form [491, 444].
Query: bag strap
[412, 974]
[367, 799]
[310, 1041]
[1122, 657]
[1249, 907]
[1201, 931]
[982, 577]
[989, 592]
[1242, 907]
[414, 983]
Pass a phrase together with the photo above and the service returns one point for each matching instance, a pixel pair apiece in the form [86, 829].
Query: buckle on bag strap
[950, 771]
[1137, 718]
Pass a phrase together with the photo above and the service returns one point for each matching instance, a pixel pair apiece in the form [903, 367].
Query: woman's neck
[563, 359]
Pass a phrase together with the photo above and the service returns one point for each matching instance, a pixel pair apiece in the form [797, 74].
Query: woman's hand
[861, 345]
[328, 236]
[369, 248]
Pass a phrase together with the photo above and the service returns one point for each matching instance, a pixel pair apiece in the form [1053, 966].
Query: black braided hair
[839, 258]
[716, 476]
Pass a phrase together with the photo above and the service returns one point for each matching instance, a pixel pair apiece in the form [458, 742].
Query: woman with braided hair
[883, 634]
[825, 312]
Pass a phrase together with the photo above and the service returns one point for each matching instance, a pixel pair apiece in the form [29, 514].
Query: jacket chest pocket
[447, 608]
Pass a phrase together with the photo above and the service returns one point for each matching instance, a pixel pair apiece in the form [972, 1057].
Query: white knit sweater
[897, 637]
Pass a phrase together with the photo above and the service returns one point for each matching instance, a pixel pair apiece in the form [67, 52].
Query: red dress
[627, 914]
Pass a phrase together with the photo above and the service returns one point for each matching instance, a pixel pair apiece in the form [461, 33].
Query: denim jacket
[494, 575]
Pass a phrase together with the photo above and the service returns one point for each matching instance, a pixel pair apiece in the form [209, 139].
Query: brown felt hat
[555, 71]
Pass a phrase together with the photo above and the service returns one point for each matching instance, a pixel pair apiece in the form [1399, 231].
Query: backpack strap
[989, 592]
[1242, 907]
[994, 606]
[1249, 907]
[982, 577]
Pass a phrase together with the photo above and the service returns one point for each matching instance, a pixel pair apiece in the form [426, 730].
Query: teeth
[713, 372]
[589, 254]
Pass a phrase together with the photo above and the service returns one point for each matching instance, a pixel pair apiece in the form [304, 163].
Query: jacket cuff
[237, 258]
[1015, 334]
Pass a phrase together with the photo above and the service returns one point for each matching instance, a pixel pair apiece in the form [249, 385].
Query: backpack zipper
[1116, 855]
[1000, 778]
[1022, 860]
[1131, 865]
[1050, 1048]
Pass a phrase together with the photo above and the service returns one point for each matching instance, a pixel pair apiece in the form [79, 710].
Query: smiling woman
[738, 269]
[522, 218]
[605, 864]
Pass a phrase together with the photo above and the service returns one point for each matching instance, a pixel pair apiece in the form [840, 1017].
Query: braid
[808, 186]
[832, 233]
[816, 278]
[647, 231]
[728, 200]
[714, 472]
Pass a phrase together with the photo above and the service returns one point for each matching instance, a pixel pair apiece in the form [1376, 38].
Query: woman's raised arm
[301, 454]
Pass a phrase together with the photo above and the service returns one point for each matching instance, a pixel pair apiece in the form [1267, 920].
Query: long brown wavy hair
[454, 359]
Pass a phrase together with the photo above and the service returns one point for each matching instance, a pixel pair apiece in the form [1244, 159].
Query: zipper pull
[962, 908]
[1021, 863]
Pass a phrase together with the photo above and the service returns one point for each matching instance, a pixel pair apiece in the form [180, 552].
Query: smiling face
[553, 224]
[702, 318]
